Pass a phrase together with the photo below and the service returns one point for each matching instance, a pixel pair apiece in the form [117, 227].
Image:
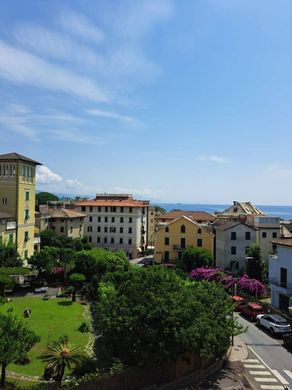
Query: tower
[17, 197]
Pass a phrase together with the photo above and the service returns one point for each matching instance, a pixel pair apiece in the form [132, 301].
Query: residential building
[232, 242]
[201, 217]
[7, 229]
[151, 227]
[239, 211]
[176, 236]
[17, 198]
[286, 229]
[269, 230]
[280, 274]
[116, 222]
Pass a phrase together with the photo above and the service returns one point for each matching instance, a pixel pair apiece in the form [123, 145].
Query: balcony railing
[37, 240]
[177, 247]
[11, 226]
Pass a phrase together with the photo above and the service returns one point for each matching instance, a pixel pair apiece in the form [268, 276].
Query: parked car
[287, 340]
[251, 310]
[274, 323]
[146, 261]
[237, 301]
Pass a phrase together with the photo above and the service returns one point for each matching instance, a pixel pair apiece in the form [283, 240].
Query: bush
[84, 327]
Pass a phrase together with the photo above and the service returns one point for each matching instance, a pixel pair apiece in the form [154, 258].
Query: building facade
[232, 242]
[116, 222]
[280, 274]
[269, 230]
[7, 229]
[178, 235]
[17, 198]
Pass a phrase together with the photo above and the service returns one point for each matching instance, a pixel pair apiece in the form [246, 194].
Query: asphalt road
[268, 351]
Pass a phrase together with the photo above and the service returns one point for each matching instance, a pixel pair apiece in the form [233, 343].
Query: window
[182, 243]
[264, 234]
[99, 209]
[98, 240]
[90, 219]
[130, 241]
[113, 209]
[122, 220]
[98, 219]
[62, 229]
[121, 230]
[105, 219]
[166, 256]
[246, 250]
[199, 231]
[89, 228]
[26, 214]
[105, 240]
[247, 235]
[274, 234]
[89, 239]
[166, 240]
[98, 229]
[26, 196]
[143, 210]
[130, 230]
[130, 220]
[4, 200]
[90, 209]
[233, 250]
[83, 208]
[105, 229]
[167, 229]
[199, 242]
[26, 237]
[112, 240]
[182, 229]
[62, 220]
[121, 209]
[112, 229]
[26, 254]
[121, 240]
[113, 219]
[130, 209]
[106, 209]
[283, 277]
[233, 236]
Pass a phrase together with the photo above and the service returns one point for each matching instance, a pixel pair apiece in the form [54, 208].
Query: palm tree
[59, 355]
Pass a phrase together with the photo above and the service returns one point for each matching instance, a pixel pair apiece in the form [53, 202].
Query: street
[269, 364]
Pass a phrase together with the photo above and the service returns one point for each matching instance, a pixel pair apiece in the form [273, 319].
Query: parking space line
[271, 380]
[280, 378]
[254, 366]
[289, 373]
[260, 373]
[271, 387]
[250, 361]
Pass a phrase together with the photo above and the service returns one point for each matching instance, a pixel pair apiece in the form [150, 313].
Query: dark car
[287, 340]
[147, 261]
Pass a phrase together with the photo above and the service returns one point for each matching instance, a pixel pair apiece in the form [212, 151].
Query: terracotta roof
[283, 242]
[230, 225]
[4, 215]
[17, 156]
[195, 215]
[64, 213]
[113, 203]
[190, 220]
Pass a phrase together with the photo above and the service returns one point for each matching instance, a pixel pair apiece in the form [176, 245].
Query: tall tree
[254, 264]
[16, 339]
[77, 280]
[45, 260]
[9, 256]
[193, 258]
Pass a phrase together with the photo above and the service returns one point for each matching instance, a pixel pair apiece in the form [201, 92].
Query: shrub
[84, 327]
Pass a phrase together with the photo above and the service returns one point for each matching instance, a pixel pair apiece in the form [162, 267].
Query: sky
[173, 101]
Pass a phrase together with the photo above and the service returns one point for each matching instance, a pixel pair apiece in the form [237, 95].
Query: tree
[159, 210]
[77, 281]
[16, 339]
[254, 264]
[9, 256]
[51, 238]
[45, 260]
[5, 283]
[153, 315]
[45, 197]
[59, 355]
[193, 258]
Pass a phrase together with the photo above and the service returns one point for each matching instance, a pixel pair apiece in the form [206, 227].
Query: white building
[269, 230]
[116, 222]
[280, 274]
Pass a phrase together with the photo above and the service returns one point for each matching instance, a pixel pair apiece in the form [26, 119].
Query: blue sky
[178, 101]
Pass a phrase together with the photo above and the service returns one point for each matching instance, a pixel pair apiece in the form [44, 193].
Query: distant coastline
[283, 212]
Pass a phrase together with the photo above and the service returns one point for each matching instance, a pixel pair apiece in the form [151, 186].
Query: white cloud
[213, 158]
[20, 67]
[45, 176]
[137, 191]
[73, 183]
[112, 115]
[81, 26]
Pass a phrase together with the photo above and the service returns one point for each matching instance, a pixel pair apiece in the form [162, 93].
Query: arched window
[166, 229]
[199, 231]
[182, 229]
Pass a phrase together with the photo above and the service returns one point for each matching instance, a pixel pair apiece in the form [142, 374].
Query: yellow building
[7, 229]
[178, 235]
[17, 198]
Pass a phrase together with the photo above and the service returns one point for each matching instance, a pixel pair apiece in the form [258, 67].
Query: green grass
[49, 320]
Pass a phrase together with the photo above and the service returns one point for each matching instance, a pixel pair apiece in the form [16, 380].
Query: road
[270, 365]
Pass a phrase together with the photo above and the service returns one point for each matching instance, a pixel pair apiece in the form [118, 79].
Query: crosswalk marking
[271, 387]
[254, 366]
[279, 376]
[250, 361]
[289, 373]
[260, 373]
[266, 380]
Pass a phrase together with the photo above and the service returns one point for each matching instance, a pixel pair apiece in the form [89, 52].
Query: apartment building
[269, 230]
[17, 198]
[116, 222]
[176, 236]
[7, 228]
[280, 274]
[200, 217]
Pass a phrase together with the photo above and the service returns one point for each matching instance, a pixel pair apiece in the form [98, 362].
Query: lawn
[49, 320]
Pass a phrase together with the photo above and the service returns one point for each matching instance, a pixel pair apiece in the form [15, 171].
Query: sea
[283, 212]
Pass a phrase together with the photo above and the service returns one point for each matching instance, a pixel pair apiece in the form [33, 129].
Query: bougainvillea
[251, 286]
[210, 274]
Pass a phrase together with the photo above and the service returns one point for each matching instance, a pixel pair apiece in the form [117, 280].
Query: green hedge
[15, 271]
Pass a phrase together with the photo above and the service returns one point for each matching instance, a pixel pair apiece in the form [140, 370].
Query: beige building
[240, 210]
[7, 229]
[151, 227]
[17, 198]
[200, 217]
[176, 236]
[116, 222]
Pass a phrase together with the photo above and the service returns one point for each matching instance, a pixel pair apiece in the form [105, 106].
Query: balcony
[11, 226]
[178, 247]
[37, 240]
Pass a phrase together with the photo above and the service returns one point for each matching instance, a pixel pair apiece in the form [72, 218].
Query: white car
[274, 323]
